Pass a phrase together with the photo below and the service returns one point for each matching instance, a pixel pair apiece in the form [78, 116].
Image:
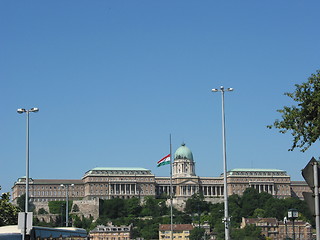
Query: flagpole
[171, 190]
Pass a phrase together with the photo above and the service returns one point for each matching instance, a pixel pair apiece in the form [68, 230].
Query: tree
[58, 207]
[249, 232]
[153, 207]
[8, 212]
[235, 208]
[42, 211]
[196, 204]
[250, 201]
[259, 213]
[150, 230]
[303, 120]
[197, 233]
[75, 208]
[133, 206]
[83, 222]
[276, 207]
[113, 208]
[21, 201]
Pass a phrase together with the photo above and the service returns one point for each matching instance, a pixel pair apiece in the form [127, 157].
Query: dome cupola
[183, 152]
[183, 164]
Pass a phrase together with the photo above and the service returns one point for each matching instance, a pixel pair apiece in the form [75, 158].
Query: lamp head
[293, 213]
[34, 110]
[21, 110]
[230, 89]
[214, 90]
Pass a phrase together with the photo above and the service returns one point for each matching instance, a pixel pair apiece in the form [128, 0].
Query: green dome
[183, 152]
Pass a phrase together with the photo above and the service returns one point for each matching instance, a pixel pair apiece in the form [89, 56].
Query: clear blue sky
[113, 79]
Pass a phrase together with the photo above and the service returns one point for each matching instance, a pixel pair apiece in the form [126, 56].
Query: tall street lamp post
[67, 201]
[225, 187]
[20, 111]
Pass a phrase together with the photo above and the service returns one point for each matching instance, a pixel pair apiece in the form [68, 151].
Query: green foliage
[277, 208]
[196, 204]
[113, 208]
[75, 208]
[253, 204]
[42, 211]
[147, 217]
[250, 232]
[251, 200]
[150, 229]
[197, 233]
[55, 207]
[219, 230]
[234, 208]
[52, 223]
[154, 207]
[259, 213]
[181, 218]
[217, 214]
[133, 206]
[303, 120]
[8, 212]
[58, 207]
[21, 201]
[83, 222]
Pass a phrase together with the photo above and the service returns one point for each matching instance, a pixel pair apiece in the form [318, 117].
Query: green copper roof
[183, 152]
[255, 170]
[119, 169]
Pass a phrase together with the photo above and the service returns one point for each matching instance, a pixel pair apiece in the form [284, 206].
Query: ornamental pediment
[189, 182]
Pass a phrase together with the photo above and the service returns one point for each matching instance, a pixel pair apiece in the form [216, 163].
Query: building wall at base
[111, 232]
[87, 208]
[180, 231]
[128, 184]
[278, 230]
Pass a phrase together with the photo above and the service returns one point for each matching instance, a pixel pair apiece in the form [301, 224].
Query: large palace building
[108, 183]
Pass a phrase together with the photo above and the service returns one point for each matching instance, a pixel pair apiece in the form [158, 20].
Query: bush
[42, 211]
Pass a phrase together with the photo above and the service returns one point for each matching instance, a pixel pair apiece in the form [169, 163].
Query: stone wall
[180, 203]
[87, 208]
[39, 205]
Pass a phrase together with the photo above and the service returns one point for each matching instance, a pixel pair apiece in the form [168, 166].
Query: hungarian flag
[164, 161]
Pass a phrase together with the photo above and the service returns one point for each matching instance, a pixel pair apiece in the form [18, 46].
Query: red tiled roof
[55, 181]
[175, 227]
[260, 220]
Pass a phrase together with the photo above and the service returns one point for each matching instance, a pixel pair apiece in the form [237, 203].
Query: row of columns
[122, 189]
[212, 190]
[184, 167]
[189, 190]
[165, 189]
[269, 188]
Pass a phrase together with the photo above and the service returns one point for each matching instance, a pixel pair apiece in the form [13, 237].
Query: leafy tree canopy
[21, 201]
[196, 204]
[58, 207]
[197, 233]
[154, 207]
[250, 232]
[8, 212]
[42, 211]
[303, 120]
[113, 208]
